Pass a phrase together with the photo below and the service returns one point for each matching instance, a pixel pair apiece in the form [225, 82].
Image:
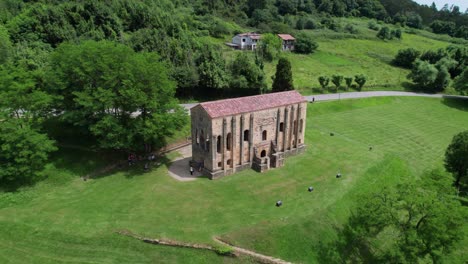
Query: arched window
[294, 126]
[263, 153]
[301, 125]
[202, 139]
[281, 127]
[246, 135]
[264, 135]
[229, 141]
[218, 144]
[196, 136]
[229, 162]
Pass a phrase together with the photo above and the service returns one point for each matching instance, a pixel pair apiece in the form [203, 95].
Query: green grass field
[69, 220]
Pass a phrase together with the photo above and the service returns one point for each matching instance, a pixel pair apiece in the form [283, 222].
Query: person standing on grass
[191, 170]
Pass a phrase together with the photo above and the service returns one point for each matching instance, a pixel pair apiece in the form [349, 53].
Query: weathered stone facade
[250, 132]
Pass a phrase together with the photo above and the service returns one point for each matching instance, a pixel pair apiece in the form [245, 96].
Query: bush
[406, 57]
[351, 29]
[224, 250]
[373, 25]
[305, 44]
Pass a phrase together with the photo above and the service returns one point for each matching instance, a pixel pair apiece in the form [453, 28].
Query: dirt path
[258, 256]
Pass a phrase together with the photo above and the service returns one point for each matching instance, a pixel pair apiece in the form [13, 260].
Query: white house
[245, 41]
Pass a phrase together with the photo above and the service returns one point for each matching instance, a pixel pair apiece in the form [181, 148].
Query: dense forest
[93, 64]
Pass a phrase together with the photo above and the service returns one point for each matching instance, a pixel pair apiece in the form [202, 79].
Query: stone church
[248, 132]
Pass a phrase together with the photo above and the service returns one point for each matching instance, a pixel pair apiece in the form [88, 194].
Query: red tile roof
[286, 37]
[248, 104]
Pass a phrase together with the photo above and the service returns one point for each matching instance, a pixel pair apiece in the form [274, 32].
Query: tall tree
[283, 80]
[122, 98]
[246, 74]
[24, 149]
[269, 46]
[211, 69]
[456, 157]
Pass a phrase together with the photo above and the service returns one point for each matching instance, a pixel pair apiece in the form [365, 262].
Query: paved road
[339, 96]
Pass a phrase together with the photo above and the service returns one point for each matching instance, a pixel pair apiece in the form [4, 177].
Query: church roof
[248, 104]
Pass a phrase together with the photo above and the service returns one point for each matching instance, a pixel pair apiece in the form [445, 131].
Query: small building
[248, 132]
[287, 42]
[245, 41]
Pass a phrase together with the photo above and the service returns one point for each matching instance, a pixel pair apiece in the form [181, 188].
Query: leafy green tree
[433, 56]
[5, 45]
[349, 82]
[269, 46]
[123, 99]
[360, 79]
[337, 80]
[324, 81]
[247, 74]
[406, 57]
[211, 69]
[443, 76]
[456, 157]
[423, 73]
[419, 221]
[283, 80]
[443, 27]
[305, 44]
[461, 82]
[24, 149]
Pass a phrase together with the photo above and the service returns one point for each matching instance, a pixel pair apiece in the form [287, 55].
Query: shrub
[406, 57]
[305, 44]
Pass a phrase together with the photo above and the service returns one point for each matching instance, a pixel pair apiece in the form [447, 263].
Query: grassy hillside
[73, 220]
[350, 54]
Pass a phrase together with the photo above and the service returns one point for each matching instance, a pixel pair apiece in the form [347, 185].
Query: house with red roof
[287, 42]
[255, 132]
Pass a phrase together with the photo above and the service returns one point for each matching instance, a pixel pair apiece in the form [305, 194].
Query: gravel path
[350, 95]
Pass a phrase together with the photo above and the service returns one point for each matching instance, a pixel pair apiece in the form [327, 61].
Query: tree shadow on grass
[457, 103]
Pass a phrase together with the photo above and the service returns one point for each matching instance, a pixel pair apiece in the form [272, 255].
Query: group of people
[132, 159]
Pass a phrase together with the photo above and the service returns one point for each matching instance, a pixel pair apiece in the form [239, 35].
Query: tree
[269, 46]
[349, 82]
[123, 99]
[5, 45]
[423, 73]
[324, 81]
[336, 80]
[406, 57]
[211, 69]
[419, 221]
[246, 74]
[24, 149]
[461, 82]
[305, 44]
[456, 157]
[283, 80]
[360, 79]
